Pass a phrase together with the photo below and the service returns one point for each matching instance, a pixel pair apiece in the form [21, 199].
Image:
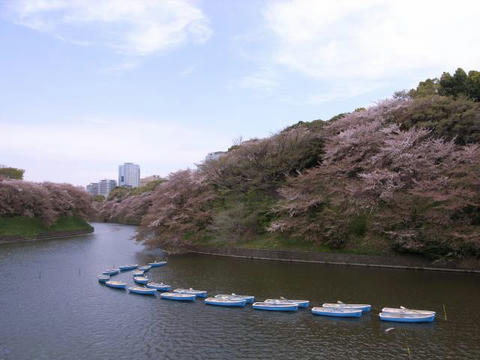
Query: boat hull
[387, 310]
[405, 318]
[350, 313]
[140, 280]
[363, 307]
[159, 287]
[144, 268]
[300, 303]
[157, 264]
[177, 297]
[111, 272]
[197, 293]
[142, 291]
[127, 267]
[275, 307]
[249, 299]
[225, 302]
[103, 278]
[115, 285]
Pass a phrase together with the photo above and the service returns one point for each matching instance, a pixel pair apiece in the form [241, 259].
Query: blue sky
[90, 84]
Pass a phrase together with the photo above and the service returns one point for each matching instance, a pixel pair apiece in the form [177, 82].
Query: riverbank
[409, 262]
[19, 229]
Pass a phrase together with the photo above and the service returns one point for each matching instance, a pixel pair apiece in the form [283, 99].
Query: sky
[87, 85]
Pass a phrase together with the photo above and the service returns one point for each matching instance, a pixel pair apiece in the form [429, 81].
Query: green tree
[11, 173]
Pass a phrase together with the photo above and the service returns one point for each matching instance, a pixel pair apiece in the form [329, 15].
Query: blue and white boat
[404, 310]
[282, 300]
[274, 307]
[407, 317]
[177, 296]
[116, 284]
[141, 290]
[145, 268]
[197, 293]
[140, 280]
[138, 273]
[336, 312]
[219, 301]
[159, 286]
[248, 298]
[157, 263]
[103, 278]
[341, 305]
[128, 267]
[111, 272]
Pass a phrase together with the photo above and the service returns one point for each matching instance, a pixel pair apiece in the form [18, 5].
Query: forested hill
[403, 176]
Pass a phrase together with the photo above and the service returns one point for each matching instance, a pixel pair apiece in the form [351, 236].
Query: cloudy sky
[89, 84]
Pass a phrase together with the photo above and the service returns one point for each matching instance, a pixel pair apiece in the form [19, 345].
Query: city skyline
[164, 83]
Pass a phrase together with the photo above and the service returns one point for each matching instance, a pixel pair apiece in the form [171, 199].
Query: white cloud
[374, 39]
[132, 27]
[264, 79]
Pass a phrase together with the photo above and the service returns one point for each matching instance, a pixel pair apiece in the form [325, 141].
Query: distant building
[129, 175]
[105, 186]
[93, 189]
[144, 181]
[214, 155]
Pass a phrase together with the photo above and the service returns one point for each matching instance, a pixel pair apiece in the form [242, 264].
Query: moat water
[52, 307]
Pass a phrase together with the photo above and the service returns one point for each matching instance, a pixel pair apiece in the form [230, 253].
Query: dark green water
[51, 307]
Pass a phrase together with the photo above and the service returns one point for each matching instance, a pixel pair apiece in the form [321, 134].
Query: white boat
[248, 298]
[141, 290]
[407, 317]
[140, 280]
[138, 273]
[404, 310]
[103, 278]
[111, 272]
[116, 284]
[336, 312]
[128, 267]
[274, 307]
[157, 263]
[282, 300]
[177, 296]
[145, 267]
[197, 293]
[224, 301]
[158, 286]
[339, 304]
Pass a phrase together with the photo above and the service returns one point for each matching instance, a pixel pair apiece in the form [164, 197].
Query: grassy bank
[32, 227]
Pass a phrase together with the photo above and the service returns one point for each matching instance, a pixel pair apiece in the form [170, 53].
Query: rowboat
[158, 286]
[282, 300]
[248, 298]
[407, 317]
[339, 304]
[141, 290]
[111, 272]
[127, 267]
[337, 312]
[116, 284]
[138, 273]
[218, 301]
[197, 293]
[274, 307]
[145, 267]
[177, 296]
[103, 278]
[140, 280]
[404, 310]
[157, 263]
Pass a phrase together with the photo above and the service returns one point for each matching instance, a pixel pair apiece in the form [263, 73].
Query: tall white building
[129, 175]
[105, 186]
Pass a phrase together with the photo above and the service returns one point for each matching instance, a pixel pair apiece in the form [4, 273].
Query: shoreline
[11, 239]
[403, 262]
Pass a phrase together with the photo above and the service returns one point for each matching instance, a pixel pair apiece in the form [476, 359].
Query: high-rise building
[92, 189]
[129, 175]
[105, 186]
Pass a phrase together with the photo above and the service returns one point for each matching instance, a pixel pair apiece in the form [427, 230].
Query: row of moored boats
[338, 309]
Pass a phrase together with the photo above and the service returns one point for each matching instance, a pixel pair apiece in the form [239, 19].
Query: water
[52, 307]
